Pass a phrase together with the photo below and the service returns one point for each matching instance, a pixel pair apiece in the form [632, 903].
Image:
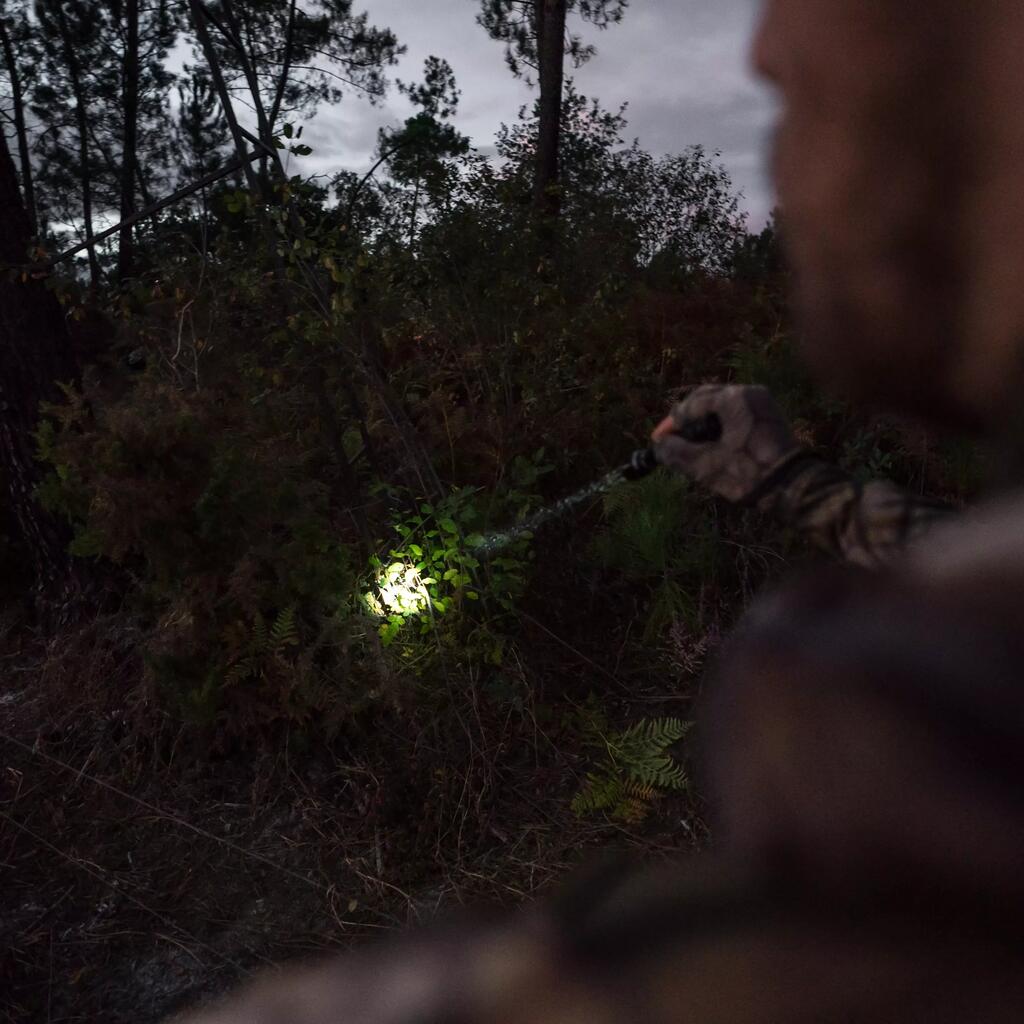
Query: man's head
[900, 169]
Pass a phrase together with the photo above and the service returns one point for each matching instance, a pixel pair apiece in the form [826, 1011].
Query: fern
[284, 632]
[637, 770]
[622, 799]
[251, 651]
[260, 639]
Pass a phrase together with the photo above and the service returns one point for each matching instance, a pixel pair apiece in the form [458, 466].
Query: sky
[681, 66]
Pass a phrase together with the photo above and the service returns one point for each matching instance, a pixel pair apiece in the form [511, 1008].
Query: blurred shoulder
[964, 578]
[865, 727]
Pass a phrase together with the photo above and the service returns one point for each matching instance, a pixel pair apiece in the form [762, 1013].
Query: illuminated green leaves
[434, 570]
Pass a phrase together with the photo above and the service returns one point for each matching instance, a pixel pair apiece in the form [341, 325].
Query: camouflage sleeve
[865, 524]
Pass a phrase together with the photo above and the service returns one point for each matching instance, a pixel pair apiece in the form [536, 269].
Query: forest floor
[143, 874]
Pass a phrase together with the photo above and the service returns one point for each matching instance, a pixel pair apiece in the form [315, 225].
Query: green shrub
[222, 517]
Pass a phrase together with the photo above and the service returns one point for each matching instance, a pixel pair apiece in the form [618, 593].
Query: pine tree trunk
[18, 99]
[217, 79]
[35, 354]
[550, 27]
[243, 50]
[82, 118]
[129, 155]
[415, 209]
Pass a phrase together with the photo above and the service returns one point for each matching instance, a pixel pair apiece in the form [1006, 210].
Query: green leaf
[448, 525]
[474, 540]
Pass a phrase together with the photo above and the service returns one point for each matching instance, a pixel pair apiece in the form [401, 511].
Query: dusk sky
[680, 65]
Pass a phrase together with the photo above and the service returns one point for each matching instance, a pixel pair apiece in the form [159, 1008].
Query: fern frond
[244, 668]
[660, 771]
[638, 771]
[260, 634]
[633, 810]
[663, 732]
[284, 632]
[642, 751]
[638, 791]
[599, 793]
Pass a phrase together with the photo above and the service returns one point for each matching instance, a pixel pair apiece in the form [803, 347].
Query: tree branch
[160, 204]
[275, 107]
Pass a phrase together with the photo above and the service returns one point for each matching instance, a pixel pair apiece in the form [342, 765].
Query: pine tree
[71, 33]
[201, 131]
[535, 38]
[104, 81]
[418, 153]
[19, 59]
[284, 60]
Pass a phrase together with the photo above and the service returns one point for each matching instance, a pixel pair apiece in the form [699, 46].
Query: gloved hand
[738, 438]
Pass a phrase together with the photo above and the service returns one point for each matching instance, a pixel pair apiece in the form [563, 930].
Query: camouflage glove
[735, 441]
[732, 439]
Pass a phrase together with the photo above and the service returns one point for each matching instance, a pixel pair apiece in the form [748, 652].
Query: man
[864, 736]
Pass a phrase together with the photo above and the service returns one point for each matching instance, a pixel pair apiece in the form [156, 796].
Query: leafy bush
[435, 566]
[220, 514]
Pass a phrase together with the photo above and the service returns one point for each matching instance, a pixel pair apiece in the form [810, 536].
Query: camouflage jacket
[865, 524]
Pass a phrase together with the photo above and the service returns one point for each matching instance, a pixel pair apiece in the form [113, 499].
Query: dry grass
[141, 874]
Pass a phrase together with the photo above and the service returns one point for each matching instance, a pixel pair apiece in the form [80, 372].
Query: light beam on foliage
[400, 591]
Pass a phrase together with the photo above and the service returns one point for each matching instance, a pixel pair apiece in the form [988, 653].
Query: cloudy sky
[680, 65]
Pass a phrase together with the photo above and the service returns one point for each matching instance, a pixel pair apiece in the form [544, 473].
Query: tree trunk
[35, 353]
[129, 155]
[233, 32]
[82, 118]
[550, 27]
[199, 24]
[415, 208]
[18, 98]
[282, 81]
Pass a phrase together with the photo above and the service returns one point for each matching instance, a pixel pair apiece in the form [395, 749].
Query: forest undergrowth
[299, 706]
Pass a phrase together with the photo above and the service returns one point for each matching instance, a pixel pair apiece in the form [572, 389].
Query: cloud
[680, 65]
